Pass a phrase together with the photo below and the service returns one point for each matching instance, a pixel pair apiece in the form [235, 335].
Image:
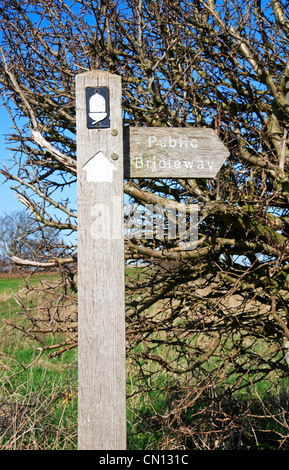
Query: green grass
[38, 403]
[10, 285]
[161, 408]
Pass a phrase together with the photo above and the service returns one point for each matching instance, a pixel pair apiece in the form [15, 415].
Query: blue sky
[8, 201]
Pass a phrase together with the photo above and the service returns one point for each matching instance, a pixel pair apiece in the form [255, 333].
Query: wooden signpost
[102, 145]
[101, 322]
[170, 152]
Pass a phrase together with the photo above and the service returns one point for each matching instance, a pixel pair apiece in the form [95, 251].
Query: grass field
[38, 404]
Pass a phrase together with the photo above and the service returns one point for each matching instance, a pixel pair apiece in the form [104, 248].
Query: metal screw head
[114, 156]
[114, 132]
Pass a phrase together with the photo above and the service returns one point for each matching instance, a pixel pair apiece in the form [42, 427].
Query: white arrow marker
[99, 169]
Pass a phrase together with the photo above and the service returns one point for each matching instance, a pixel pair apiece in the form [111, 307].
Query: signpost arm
[101, 312]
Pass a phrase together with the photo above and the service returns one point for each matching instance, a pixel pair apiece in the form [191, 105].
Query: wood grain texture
[166, 152]
[101, 317]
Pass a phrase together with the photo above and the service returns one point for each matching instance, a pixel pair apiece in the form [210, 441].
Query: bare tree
[21, 236]
[217, 314]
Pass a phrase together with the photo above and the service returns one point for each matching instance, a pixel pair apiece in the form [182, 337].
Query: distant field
[10, 284]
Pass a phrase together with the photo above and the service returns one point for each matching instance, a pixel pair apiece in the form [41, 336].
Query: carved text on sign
[164, 152]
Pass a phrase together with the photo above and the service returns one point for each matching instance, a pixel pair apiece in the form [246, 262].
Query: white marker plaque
[99, 169]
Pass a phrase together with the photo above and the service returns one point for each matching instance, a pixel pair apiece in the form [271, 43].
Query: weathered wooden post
[101, 313]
